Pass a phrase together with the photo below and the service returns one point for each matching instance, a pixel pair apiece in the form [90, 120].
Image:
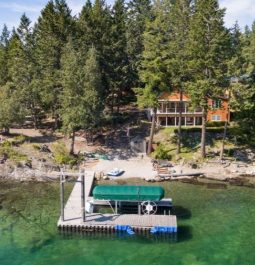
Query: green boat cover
[128, 193]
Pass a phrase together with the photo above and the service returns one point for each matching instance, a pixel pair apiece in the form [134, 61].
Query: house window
[216, 104]
[216, 118]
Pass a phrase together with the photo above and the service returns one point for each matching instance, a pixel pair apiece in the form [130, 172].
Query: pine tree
[208, 46]
[243, 99]
[95, 30]
[29, 84]
[139, 12]
[119, 63]
[153, 73]
[54, 26]
[12, 108]
[81, 97]
[4, 43]
[236, 69]
[179, 19]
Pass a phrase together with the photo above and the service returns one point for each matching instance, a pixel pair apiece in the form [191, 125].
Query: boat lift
[148, 198]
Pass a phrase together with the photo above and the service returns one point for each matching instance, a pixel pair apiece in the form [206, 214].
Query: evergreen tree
[139, 12]
[243, 99]
[81, 98]
[12, 109]
[54, 26]
[179, 19]
[153, 72]
[236, 69]
[4, 43]
[95, 30]
[119, 63]
[208, 50]
[29, 76]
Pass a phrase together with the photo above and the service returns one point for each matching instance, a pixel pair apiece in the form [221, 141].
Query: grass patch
[162, 152]
[7, 150]
[36, 147]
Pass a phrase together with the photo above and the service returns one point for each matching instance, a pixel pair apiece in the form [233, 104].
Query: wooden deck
[97, 221]
[133, 220]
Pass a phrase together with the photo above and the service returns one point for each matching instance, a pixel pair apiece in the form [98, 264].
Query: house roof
[174, 96]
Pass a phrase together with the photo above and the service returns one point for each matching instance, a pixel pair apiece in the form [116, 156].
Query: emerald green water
[215, 227]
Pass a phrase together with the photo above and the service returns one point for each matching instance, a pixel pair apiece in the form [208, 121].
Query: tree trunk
[56, 121]
[72, 143]
[34, 115]
[203, 134]
[35, 121]
[6, 130]
[153, 123]
[118, 103]
[225, 131]
[178, 151]
[223, 140]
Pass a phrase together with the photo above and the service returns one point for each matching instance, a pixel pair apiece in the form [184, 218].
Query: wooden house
[170, 105]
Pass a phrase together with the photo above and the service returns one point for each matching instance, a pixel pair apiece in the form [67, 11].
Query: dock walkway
[97, 221]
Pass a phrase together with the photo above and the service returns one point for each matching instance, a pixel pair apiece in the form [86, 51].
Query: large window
[216, 118]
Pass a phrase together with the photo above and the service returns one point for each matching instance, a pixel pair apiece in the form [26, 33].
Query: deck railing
[177, 110]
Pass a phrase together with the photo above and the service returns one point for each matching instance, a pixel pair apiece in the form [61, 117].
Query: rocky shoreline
[240, 174]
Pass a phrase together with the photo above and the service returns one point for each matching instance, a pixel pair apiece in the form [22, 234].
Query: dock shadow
[184, 233]
[181, 212]
[103, 218]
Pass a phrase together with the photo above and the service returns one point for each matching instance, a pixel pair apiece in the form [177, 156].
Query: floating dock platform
[72, 215]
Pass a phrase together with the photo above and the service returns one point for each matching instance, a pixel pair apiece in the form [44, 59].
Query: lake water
[216, 226]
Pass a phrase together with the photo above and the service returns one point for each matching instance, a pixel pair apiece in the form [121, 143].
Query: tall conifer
[208, 46]
[139, 12]
[153, 71]
[119, 62]
[81, 97]
[179, 20]
[54, 26]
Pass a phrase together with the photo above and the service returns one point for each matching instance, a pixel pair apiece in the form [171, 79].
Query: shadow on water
[38, 244]
[184, 233]
[121, 236]
[181, 212]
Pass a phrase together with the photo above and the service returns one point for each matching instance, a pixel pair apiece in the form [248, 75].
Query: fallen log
[216, 186]
[174, 175]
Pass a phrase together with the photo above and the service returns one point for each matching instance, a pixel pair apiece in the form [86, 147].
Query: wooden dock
[105, 222]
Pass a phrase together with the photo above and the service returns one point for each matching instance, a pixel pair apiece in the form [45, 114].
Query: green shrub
[6, 144]
[215, 123]
[62, 156]
[12, 154]
[161, 153]
[230, 152]
[198, 129]
[60, 153]
[36, 146]
[17, 140]
[20, 139]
